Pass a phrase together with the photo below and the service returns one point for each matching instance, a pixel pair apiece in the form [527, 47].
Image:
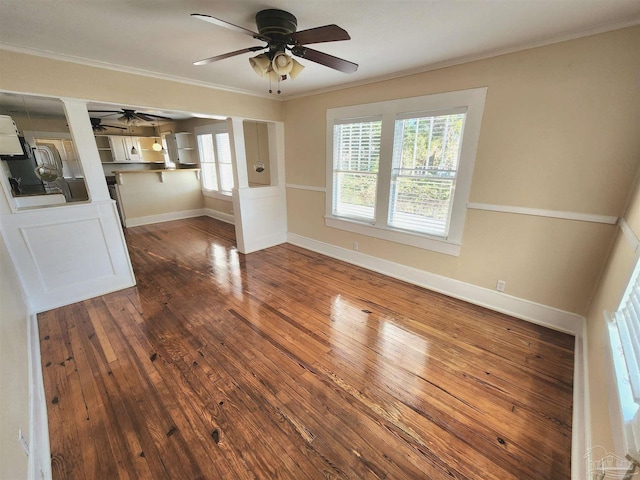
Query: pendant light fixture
[259, 165]
[134, 151]
[156, 146]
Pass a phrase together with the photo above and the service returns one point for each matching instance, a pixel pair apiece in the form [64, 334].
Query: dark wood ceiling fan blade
[151, 117]
[209, 60]
[230, 26]
[327, 33]
[145, 117]
[325, 59]
[105, 111]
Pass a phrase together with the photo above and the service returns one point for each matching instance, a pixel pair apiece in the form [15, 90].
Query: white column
[80, 127]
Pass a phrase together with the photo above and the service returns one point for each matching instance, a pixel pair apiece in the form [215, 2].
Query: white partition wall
[260, 213]
[69, 252]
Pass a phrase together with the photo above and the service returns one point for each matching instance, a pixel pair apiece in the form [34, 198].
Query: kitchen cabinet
[147, 152]
[121, 147]
[117, 149]
[181, 148]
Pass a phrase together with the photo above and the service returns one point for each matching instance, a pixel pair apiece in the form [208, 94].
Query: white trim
[39, 448]
[533, 312]
[306, 187]
[406, 238]
[164, 217]
[539, 212]
[223, 217]
[472, 100]
[581, 418]
[629, 234]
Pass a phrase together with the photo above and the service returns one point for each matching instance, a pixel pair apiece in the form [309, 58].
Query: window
[401, 170]
[357, 149]
[624, 334]
[423, 176]
[215, 160]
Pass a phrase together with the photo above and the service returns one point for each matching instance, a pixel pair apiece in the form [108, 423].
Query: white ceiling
[388, 37]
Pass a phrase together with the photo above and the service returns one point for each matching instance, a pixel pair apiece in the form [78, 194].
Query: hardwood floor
[288, 364]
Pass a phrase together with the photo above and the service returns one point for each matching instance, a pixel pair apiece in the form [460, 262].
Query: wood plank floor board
[288, 364]
[536, 353]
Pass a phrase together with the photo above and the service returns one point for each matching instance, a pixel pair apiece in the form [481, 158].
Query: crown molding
[120, 68]
[603, 28]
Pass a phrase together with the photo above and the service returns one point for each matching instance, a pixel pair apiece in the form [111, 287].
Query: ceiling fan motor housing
[276, 24]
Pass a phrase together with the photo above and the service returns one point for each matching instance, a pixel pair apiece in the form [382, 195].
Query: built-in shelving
[118, 149]
[181, 148]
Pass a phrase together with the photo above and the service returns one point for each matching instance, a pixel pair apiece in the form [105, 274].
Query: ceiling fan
[131, 117]
[278, 29]
[97, 126]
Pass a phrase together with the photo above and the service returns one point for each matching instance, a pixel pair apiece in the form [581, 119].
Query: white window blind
[223, 149]
[215, 162]
[627, 319]
[426, 152]
[356, 148]
[207, 162]
[624, 331]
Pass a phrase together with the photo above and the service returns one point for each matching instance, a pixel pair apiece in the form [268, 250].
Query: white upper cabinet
[122, 146]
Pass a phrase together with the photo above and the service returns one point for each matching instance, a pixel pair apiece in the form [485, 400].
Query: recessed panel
[69, 253]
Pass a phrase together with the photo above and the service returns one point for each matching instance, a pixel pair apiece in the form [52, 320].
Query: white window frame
[626, 367]
[214, 129]
[473, 101]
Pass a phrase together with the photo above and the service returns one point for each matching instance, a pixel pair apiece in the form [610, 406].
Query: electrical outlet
[356, 246]
[23, 442]
[501, 285]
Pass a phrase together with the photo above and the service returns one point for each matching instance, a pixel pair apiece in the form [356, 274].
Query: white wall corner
[39, 448]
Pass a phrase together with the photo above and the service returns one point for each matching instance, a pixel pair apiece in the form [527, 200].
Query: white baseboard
[517, 307]
[223, 217]
[163, 217]
[39, 449]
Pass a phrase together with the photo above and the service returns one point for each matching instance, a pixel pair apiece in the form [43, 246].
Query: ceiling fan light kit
[278, 29]
[260, 64]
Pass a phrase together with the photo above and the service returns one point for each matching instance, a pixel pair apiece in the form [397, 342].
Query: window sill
[217, 195]
[435, 244]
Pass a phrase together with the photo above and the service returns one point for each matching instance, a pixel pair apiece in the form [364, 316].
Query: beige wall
[223, 206]
[559, 132]
[14, 373]
[143, 194]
